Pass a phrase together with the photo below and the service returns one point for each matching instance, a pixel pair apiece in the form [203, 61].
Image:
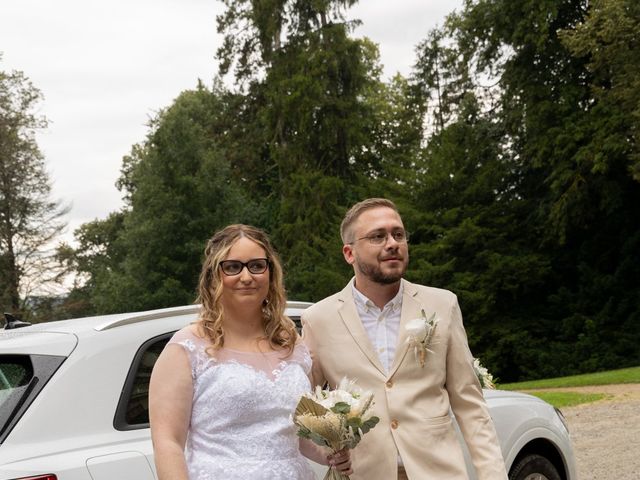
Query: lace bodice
[241, 419]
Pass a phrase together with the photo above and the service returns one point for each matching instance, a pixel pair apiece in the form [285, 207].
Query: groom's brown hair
[346, 232]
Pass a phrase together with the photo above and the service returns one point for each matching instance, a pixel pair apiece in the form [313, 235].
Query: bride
[224, 389]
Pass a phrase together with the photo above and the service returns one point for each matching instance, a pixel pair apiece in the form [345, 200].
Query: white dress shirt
[382, 326]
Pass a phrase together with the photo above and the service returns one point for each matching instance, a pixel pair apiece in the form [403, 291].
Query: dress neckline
[270, 352]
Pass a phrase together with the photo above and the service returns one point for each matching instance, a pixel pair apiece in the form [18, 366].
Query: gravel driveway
[606, 433]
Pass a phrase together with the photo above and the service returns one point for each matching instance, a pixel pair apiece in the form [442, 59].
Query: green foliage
[304, 432]
[97, 249]
[179, 189]
[608, 39]
[391, 159]
[308, 236]
[307, 85]
[512, 153]
[470, 233]
[355, 422]
[528, 201]
[182, 191]
[369, 424]
[341, 407]
[255, 32]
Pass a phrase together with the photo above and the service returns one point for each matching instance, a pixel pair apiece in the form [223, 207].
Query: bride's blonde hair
[279, 329]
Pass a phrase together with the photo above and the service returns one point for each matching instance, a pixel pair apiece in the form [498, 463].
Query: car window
[133, 408]
[296, 320]
[15, 373]
[21, 379]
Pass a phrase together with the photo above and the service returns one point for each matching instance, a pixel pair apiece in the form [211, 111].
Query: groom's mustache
[392, 257]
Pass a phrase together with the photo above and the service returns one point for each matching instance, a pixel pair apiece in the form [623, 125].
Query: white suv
[73, 403]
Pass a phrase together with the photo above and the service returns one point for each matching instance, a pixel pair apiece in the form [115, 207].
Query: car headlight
[562, 419]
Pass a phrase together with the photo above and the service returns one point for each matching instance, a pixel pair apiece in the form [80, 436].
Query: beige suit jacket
[412, 402]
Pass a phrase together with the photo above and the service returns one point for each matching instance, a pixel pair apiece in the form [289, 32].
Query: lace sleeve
[302, 356]
[195, 347]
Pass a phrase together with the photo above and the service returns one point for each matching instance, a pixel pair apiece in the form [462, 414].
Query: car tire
[534, 467]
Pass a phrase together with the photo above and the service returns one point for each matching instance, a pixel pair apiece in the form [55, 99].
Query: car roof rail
[169, 312]
[145, 316]
[296, 304]
[12, 322]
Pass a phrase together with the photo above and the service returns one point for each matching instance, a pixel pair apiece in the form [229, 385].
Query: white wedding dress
[241, 419]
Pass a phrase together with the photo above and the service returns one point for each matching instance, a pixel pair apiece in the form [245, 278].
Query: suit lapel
[349, 314]
[410, 310]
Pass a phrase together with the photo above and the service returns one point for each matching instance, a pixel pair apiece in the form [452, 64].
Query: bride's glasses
[234, 267]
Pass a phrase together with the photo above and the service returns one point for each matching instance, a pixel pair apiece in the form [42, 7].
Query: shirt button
[394, 424]
[389, 384]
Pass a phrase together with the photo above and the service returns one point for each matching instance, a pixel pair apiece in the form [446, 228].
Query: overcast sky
[105, 68]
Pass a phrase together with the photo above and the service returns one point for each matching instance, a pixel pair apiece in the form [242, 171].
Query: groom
[361, 333]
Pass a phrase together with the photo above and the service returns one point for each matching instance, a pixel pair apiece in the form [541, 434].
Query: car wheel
[534, 467]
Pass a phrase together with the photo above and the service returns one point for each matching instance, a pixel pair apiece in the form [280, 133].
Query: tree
[179, 189]
[608, 39]
[98, 252]
[557, 264]
[29, 220]
[307, 84]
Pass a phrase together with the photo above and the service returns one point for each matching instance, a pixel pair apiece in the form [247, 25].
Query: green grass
[624, 375]
[568, 399]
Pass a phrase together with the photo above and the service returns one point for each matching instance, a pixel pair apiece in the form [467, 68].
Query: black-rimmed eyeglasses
[380, 237]
[234, 267]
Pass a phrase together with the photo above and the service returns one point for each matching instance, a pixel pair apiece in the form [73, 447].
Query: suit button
[394, 424]
[389, 384]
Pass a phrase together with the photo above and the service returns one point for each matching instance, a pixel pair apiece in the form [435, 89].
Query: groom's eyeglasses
[380, 237]
[234, 267]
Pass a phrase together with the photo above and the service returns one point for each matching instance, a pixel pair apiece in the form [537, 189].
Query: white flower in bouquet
[336, 419]
[346, 392]
[484, 377]
[420, 333]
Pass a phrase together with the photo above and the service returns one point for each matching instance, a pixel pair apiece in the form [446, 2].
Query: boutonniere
[421, 331]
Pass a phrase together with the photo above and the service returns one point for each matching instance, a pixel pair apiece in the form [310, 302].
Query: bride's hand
[341, 461]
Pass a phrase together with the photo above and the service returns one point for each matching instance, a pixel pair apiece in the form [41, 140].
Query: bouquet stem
[333, 474]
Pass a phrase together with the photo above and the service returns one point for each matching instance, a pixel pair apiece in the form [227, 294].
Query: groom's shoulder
[430, 292]
[320, 309]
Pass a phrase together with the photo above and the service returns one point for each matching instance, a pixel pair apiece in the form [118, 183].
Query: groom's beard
[375, 273]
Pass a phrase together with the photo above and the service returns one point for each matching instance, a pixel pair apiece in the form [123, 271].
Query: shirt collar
[363, 302]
